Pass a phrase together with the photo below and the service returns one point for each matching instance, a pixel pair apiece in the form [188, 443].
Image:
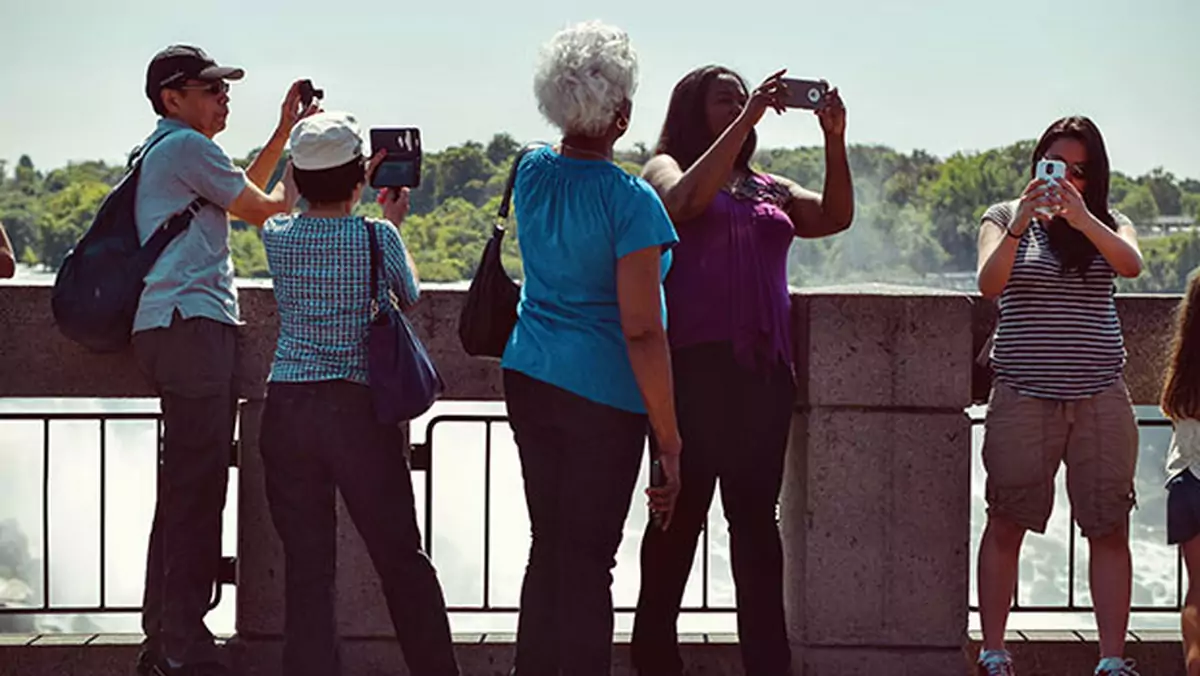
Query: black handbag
[490, 311]
[403, 379]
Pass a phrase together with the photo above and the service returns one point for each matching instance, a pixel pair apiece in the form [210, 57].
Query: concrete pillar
[875, 509]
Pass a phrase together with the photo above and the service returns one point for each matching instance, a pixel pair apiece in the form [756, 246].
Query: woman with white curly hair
[587, 367]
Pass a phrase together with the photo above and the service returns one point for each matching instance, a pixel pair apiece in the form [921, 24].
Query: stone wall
[875, 508]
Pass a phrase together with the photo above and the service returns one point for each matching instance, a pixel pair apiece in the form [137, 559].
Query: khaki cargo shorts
[1027, 438]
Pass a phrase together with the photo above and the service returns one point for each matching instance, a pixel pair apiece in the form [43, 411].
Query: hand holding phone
[401, 164]
[657, 480]
[308, 93]
[664, 484]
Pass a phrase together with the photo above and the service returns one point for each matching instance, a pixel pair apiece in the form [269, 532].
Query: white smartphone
[1051, 171]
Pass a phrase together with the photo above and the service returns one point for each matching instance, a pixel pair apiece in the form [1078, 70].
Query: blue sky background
[941, 75]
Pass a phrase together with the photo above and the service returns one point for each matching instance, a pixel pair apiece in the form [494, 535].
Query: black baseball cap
[179, 63]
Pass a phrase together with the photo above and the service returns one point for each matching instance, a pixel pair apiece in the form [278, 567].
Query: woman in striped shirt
[1050, 257]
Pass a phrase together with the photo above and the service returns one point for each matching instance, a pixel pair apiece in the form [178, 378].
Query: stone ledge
[478, 655]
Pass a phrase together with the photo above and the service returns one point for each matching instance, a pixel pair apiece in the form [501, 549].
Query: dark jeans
[580, 461]
[191, 365]
[322, 436]
[734, 425]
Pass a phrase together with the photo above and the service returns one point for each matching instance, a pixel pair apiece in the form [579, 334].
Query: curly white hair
[584, 74]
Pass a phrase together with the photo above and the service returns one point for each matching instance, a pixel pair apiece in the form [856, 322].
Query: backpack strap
[139, 153]
[178, 222]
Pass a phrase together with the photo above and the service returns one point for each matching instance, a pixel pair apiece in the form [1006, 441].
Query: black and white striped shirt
[1058, 335]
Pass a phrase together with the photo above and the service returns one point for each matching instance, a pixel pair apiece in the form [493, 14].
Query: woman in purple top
[728, 315]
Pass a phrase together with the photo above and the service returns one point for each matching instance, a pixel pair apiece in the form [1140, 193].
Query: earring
[622, 123]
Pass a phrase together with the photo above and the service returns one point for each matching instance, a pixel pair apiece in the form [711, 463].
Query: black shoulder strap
[139, 153]
[180, 221]
[373, 243]
[506, 200]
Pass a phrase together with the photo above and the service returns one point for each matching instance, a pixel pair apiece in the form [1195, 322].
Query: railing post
[876, 500]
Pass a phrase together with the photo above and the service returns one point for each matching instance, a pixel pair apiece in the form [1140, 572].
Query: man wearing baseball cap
[319, 430]
[185, 339]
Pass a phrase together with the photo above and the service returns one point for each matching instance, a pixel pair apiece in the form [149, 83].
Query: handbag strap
[506, 200]
[373, 243]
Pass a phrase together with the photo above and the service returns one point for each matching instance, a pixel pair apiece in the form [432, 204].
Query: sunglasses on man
[215, 88]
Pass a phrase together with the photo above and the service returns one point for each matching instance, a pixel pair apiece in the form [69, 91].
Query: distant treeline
[917, 215]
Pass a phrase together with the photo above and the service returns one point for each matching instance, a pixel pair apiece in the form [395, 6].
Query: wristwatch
[1011, 233]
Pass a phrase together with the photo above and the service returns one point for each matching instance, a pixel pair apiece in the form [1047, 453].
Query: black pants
[580, 461]
[191, 364]
[734, 425]
[322, 436]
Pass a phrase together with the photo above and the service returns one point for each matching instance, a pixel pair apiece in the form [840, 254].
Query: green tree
[1189, 204]
[249, 256]
[1139, 206]
[1166, 192]
[463, 172]
[501, 148]
[966, 185]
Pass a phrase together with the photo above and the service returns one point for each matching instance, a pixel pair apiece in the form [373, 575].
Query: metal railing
[227, 572]
[422, 461]
[1072, 605]
[423, 458]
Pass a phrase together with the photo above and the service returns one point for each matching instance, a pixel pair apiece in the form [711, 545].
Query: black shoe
[147, 660]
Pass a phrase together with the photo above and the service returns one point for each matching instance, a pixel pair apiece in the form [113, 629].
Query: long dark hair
[1073, 249]
[685, 134]
[1181, 390]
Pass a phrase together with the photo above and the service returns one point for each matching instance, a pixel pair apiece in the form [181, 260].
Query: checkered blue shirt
[321, 271]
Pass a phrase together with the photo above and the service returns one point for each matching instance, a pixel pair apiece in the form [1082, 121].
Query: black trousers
[734, 425]
[580, 461]
[191, 365]
[322, 436]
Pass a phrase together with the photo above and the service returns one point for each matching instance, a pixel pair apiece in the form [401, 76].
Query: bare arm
[815, 215]
[260, 169]
[998, 241]
[686, 194]
[639, 295]
[8, 258]
[290, 113]
[1119, 248]
[255, 207]
[997, 252]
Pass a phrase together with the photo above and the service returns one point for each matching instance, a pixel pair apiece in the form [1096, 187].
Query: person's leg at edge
[1190, 617]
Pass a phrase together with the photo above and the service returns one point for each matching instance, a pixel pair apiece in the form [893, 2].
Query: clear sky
[940, 75]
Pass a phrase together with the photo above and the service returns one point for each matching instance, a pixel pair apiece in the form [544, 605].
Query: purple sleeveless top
[728, 282]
